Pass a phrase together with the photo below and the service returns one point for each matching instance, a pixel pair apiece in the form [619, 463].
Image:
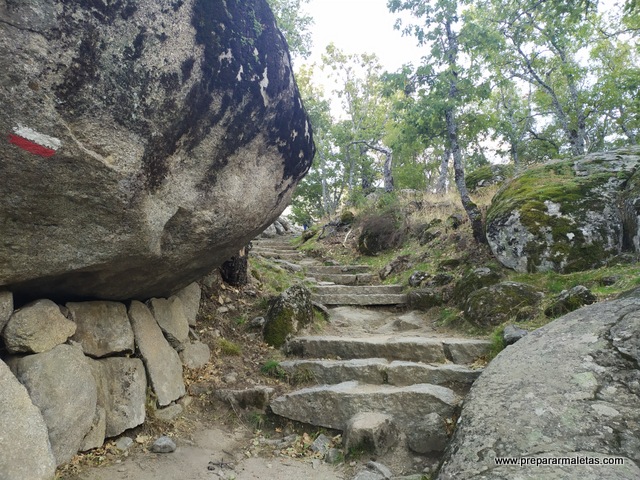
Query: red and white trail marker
[34, 142]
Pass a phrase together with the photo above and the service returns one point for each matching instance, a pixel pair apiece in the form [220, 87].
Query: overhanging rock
[142, 142]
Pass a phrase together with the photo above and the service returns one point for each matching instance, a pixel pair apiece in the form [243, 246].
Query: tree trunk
[388, 176]
[234, 270]
[441, 186]
[473, 212]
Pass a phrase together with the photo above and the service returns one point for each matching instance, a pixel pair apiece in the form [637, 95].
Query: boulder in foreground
[569, 389]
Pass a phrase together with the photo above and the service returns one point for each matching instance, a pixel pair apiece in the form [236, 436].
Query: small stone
[223, 310]
[570, 300]
[170, 315]
[163, 445]
[428, 435]
[321, 445]
[417, 278]
[123, 443]
[440, 279]
[186, 401]
[368, 475]
[195, 355]
[371, 431]
[230, 378]
[257, 322]
[608, 281]
[168, 414]
[380, 468]
[37, 327]
[512, 334]
[190, 297]
[334, 456]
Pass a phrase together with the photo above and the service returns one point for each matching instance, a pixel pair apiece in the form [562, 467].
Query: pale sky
[360, 26]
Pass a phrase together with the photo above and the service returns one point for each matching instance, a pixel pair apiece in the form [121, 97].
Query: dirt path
[191, 461]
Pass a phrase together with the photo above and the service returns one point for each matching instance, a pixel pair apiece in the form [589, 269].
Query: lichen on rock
[496, 304]
[566, 215]
[287, 313]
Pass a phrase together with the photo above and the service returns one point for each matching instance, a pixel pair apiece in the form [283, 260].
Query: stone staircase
[276, 249]
[381, 361]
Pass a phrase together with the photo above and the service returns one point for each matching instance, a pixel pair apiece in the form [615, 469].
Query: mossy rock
[450, 264]
[441, 279]
[564, 216]
[309, 233]
[428, 235]
[287, 313]
[487, 175]
[347, 217]
[570, 300]
[474, 280]
[454, 221]
[417, 277]
[499, 303]
[424, 298]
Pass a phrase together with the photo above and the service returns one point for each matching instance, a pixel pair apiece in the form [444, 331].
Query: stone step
[361, 299]
[279, 255]
[333, 269]
[282, 247]
[357, 290]
[409, 348]
[345, 278]
[331, 406]
[378, 371]
[273, 245]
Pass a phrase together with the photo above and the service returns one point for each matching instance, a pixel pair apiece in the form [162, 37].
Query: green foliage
[272, 368]
[257, 419]
[294, 24]
[302, 376]
[274, 278]
[488, 174]
[448, 317]
[240, 319]
[228, 347]
[497, 343]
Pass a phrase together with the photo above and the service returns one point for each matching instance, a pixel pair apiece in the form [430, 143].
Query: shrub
[229, 348]
[380, 232]
[272, 368]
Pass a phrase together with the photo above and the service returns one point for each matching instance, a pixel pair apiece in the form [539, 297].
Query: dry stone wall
[73, 375]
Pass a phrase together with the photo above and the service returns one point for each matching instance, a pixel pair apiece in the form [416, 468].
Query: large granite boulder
[568, 215]
[143, 142]
[568, 389]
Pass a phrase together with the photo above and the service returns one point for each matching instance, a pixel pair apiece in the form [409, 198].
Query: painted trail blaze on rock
[34, 142]
[178, 133]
